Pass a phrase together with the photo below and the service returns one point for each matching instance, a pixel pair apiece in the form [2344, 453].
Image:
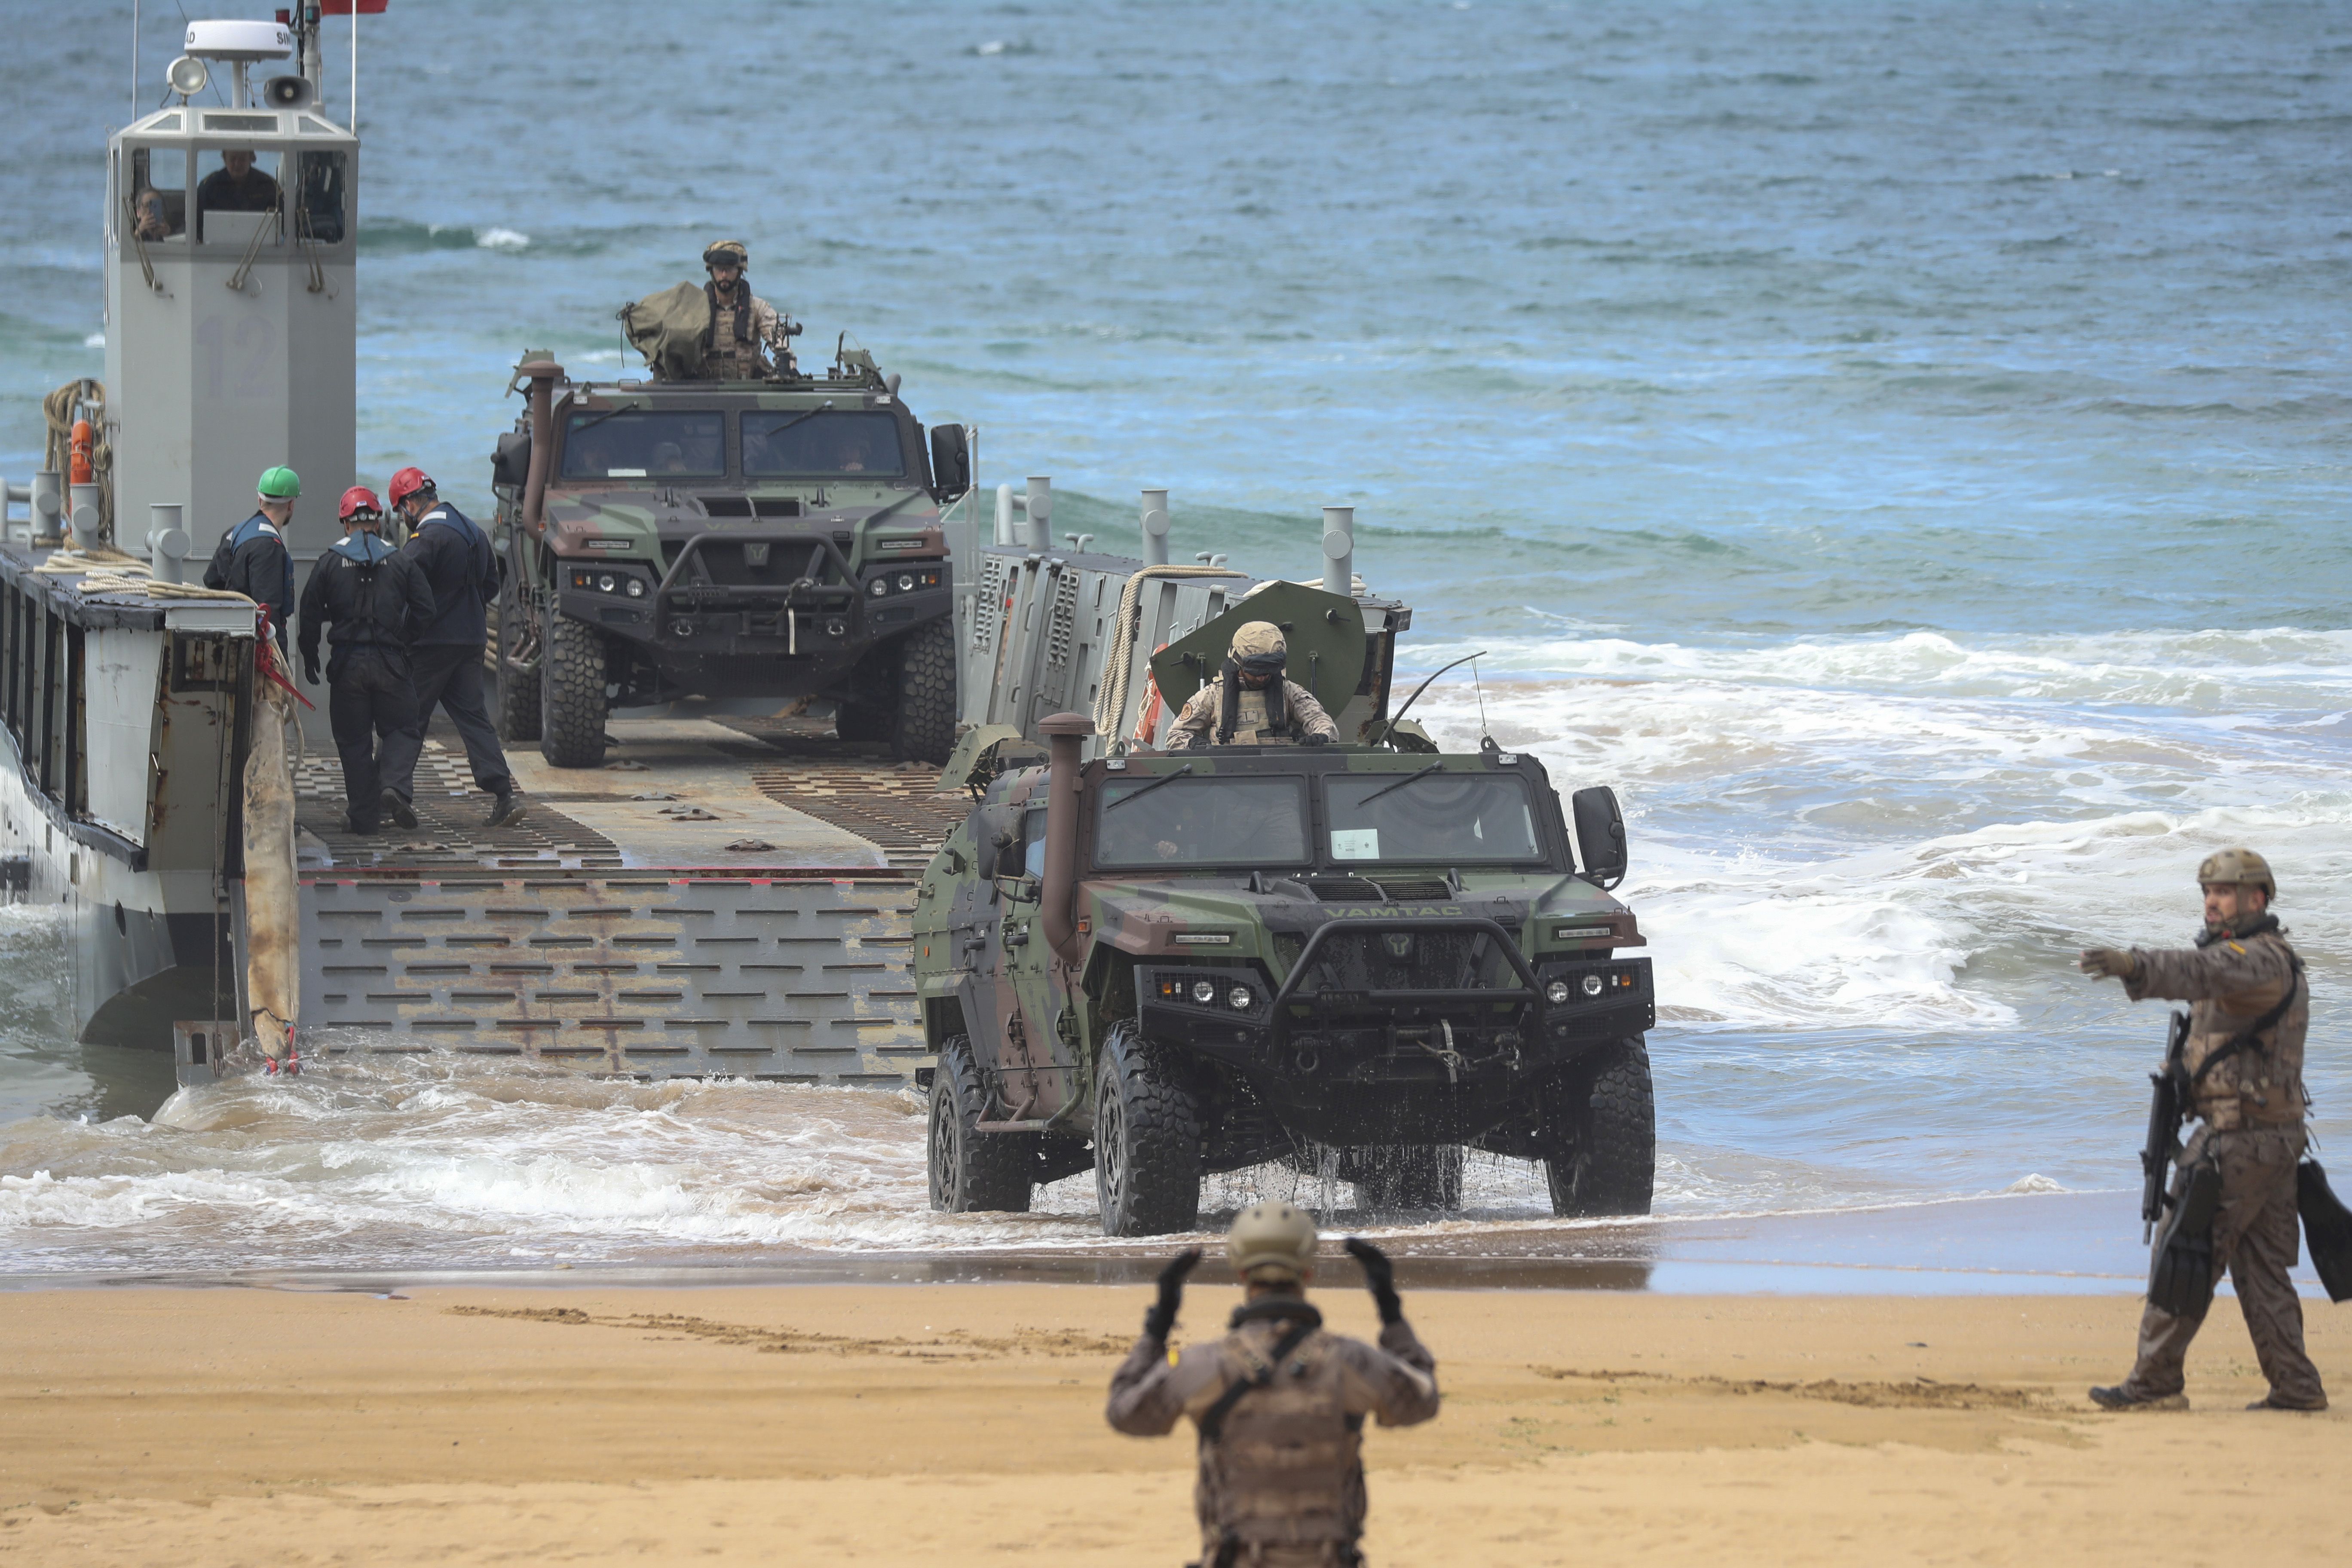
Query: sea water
[1901, 448]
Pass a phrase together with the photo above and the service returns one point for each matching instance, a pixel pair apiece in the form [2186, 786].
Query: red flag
[346, 7]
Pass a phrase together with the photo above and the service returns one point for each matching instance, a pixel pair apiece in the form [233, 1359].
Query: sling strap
[1212, 1420]
[2243, 1040]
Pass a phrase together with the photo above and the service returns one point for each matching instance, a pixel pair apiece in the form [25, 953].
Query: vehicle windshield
[1205, 821]
[644, 444]
[788, 441]
[1457, 818]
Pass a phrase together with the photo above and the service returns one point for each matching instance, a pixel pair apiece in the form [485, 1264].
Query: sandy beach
[960, 1424]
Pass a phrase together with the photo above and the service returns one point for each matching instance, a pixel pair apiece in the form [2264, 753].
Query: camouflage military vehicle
[1353, 957]
[774, 538]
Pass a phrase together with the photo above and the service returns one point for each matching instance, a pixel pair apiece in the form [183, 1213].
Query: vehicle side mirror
[1018, 887]
[1600, 835]
[951, 463]
[510, 464]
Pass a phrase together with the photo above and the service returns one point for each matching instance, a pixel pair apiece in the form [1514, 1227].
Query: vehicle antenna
[1398, 718]
[1486, 740]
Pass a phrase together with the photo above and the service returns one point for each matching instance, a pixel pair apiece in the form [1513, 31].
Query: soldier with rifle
[2236, 1065]
[1279, 1404]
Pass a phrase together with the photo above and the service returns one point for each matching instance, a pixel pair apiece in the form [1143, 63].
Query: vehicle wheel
[514, 666]
[1147, 1140]
[923, 729]
[1599, 1134]
[572, 694]
[972, 1171]
[1399, 1176]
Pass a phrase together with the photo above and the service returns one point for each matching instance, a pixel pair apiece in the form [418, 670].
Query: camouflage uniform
[744, 330]
[2253, 1104]
[1284, 1483]
[1196, 725]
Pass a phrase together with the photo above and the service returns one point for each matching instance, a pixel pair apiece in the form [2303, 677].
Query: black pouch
[2180, 1282]
[2326, 1229]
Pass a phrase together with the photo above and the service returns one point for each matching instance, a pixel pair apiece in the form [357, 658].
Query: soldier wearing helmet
[2248, 1008]
[455, 556]
[375, 601]
[744, 329]
[1253, 703]
[252, 559]
[1278, 1402]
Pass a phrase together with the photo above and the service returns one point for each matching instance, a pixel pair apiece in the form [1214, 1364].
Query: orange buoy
[83, 474]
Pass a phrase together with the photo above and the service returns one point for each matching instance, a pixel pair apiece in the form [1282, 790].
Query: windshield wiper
[1409, 778]
[608, 413]
[796, 419]
[1147, 789]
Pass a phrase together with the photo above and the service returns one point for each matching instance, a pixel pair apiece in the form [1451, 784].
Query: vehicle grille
[1414, 960]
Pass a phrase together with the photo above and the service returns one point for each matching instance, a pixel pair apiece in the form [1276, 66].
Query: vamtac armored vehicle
[776, 538]
[1167, 964]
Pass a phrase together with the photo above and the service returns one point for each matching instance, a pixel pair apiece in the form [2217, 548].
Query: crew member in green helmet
[252, 558]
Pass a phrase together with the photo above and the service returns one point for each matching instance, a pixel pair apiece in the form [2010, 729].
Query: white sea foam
[503, 239]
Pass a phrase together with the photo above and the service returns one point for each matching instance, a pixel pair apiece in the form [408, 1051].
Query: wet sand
[955, 1424]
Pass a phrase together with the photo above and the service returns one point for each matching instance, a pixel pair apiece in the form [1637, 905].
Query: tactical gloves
[311, 669]
[1161, 1316]
[1380, 1278]
[2108, 962]
[1314, 738]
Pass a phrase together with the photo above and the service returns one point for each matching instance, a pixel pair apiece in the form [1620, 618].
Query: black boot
[2124, 1397]
[506, 808]
[397, 806]
[363, 829]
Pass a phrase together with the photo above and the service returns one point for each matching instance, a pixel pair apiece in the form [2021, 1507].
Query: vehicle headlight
[637, 589]
[1557, 993]
[1239, 996]
[1593, 985]
[1204, 991]
[881, 586]
[606, 585]
[905, 582]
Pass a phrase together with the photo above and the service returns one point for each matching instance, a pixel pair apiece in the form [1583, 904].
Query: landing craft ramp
[724, 897]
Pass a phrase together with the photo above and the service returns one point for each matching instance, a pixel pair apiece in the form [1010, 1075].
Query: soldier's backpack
[667, 329]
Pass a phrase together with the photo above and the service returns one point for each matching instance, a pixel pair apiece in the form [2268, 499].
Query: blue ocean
[1903, 448]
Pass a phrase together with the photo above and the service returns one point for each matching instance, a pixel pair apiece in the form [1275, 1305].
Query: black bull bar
[687, 587]
[1526, 992]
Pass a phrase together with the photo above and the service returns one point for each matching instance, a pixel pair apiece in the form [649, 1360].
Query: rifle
[2163, 1145]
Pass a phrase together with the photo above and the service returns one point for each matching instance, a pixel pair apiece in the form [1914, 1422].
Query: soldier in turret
[1251, 704]
[744, 329]
[1279, 1404]
[2242, 1063]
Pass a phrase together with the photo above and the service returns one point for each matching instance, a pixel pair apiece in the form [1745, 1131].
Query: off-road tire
[518, 685]
[571, 694]
[1147, 1139]
[923, 729]
[1599, 1134]
[1396, 1177]
[974, 1171]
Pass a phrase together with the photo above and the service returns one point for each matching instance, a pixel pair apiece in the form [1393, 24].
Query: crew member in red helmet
[455, 556]
[369, 600]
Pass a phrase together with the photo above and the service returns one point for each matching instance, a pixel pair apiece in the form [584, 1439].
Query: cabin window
[321, 203]
[237, 194]
[155, 197]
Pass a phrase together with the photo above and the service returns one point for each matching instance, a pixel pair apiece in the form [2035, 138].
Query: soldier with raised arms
[1278, 1402]
[1253, 703]
[2242, 1067]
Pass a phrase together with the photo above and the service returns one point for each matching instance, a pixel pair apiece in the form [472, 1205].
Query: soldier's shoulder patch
[2235, 948]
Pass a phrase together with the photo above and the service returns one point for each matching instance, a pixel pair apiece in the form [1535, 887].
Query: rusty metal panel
[804, 977]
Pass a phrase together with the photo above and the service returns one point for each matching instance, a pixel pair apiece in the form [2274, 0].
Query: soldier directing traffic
[2241, 1071]
[1253, 704]
[374, 600]
[1279, 1404]
[455, 556]
[251, 558]
[744, 329]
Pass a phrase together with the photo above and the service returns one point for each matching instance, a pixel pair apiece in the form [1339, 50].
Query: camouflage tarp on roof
[667, 327]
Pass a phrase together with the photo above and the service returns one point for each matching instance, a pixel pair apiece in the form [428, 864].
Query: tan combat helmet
[1271, 1243]
[1258, 648]
[731, 251]
[2237, 868]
